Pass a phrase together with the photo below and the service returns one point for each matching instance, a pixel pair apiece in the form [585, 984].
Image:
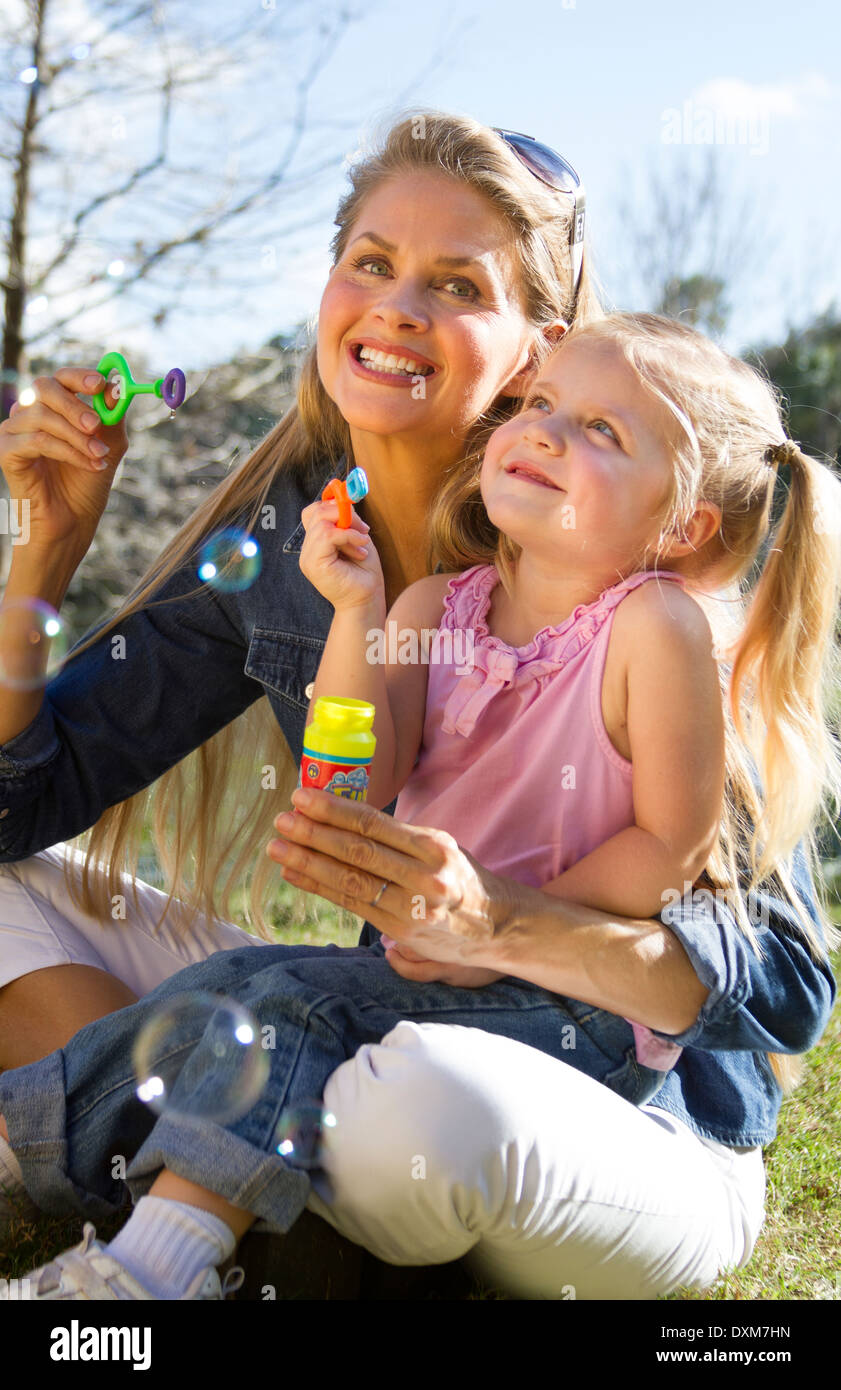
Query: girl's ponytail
[786, 660]
[785, 671]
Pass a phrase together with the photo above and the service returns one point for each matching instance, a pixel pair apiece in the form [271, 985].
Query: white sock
[166, 1244]
[11, 1177]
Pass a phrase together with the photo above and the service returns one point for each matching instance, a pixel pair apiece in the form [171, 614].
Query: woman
[487, 328]
[692, 1206]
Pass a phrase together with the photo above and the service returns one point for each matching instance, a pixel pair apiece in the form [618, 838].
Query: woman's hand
[406, 962]
[343, 565]
[58, 457]
[439, 906]
[438, 903]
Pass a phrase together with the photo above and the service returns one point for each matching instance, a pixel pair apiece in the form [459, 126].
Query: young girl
[642, 445]
[584, 751]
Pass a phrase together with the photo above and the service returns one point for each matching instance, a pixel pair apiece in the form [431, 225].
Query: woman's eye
[469, 289]
[464, 289]
[367, 260]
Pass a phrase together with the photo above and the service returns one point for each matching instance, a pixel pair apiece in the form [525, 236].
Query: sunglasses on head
[555, 172]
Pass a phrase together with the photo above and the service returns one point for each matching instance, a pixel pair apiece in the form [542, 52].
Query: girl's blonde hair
[195, 803]
[773, 615]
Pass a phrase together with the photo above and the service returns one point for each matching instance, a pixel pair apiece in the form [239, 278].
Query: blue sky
[596, 79]
[612, 85]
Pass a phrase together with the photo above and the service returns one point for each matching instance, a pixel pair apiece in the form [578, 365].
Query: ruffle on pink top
[497, 666]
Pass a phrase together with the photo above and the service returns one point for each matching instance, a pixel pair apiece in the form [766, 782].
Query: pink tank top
[516, 762]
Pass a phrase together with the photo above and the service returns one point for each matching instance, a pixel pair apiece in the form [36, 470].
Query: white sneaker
[89, 1272]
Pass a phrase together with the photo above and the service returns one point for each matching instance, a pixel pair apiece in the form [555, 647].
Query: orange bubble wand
[346, 491]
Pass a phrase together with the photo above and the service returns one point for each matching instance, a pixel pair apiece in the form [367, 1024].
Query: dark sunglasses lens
[544, 163]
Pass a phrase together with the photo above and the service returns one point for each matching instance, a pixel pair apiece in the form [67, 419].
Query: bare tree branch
[187, 203]
[121, 191]
[688, 238]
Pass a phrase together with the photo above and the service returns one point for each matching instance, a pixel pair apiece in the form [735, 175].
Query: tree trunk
[15, 286]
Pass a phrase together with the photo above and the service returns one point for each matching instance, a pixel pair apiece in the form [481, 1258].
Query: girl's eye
[603, 425]
[533, 402]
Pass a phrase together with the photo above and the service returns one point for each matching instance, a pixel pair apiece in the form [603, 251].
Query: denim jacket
[119, 717]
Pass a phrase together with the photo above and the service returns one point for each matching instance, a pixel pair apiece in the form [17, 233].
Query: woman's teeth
[387, 362]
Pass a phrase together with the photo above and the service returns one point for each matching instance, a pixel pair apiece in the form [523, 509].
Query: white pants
[454, 1142]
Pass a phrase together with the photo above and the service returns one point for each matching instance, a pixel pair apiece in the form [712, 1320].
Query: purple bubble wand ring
[171, 389]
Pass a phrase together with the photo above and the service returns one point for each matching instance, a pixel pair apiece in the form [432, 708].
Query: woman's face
[428, 280]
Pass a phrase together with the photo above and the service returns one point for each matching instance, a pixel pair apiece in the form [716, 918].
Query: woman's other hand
[343, 565]
[438, 904]
[58, 457]
[406, 962]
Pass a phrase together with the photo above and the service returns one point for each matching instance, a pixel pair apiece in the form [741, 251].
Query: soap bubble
[33, 640]
[230, 560]
[301, 1131]
[219, 1080]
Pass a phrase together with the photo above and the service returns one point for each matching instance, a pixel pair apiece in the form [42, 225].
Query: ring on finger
[379, 893]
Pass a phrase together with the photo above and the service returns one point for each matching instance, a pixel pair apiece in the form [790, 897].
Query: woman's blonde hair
[195, 803]
[773, 617]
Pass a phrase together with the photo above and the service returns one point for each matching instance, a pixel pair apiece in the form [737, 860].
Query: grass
[798, 1255]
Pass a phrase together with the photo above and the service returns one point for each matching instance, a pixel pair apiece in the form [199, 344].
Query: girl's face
[427, 280]
[584, 471]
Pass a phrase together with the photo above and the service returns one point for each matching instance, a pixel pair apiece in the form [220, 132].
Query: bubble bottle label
[338, 748]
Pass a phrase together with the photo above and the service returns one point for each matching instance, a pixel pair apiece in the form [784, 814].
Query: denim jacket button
[4, 812]
[309, 689]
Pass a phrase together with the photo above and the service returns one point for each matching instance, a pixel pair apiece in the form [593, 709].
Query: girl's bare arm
[676, 732]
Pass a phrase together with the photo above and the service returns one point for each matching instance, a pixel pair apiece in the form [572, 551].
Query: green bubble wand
[171, 389]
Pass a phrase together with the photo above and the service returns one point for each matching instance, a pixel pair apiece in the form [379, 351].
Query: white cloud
[732, 97]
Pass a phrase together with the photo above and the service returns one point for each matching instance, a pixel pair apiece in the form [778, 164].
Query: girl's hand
[438, 903]
[343, 565]
[48, 462]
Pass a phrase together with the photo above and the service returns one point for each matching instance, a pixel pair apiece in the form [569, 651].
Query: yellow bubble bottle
[338, 748]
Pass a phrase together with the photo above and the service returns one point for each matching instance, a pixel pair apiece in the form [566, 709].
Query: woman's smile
[389, 364]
